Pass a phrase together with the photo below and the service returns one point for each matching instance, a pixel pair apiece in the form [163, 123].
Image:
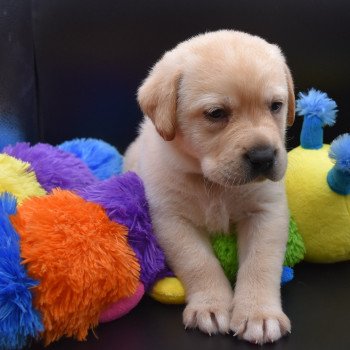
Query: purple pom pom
[53, 167]
[123, 197]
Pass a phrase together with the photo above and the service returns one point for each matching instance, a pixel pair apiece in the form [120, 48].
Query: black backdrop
[92, 55]
[18, 113]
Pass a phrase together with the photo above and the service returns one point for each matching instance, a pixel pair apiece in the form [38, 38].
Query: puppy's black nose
[261, 159]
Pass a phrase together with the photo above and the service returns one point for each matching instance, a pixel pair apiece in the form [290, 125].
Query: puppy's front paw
[210, 315]
[259, 325]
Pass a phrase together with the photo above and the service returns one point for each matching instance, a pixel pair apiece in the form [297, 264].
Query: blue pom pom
[18, 319]
[318, 110]
[340, 152]
[103, 159]
[338, 177]
[287, 274]
[317, 104]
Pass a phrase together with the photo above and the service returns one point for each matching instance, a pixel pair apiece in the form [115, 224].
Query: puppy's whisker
[207, 190]
[231, 179]
[228, 177]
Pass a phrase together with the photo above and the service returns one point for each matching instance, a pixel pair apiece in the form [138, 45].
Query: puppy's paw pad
[209, 319]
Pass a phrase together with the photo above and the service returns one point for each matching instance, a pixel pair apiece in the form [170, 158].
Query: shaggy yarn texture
[19, 321]
[102, 158]
[17, 178]
[53, 167]
[123, 197]
[81, 259]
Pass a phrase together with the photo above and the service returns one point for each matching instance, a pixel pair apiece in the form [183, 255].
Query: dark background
[316, 302]
[71, 68]
[92, 55]
[18, 108]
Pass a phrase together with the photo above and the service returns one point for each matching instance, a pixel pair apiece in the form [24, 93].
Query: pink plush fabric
[123, 306]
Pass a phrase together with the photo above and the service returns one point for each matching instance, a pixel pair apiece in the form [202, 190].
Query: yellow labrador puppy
[211, 153]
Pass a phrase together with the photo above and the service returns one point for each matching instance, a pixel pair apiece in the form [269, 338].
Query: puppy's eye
[216, 114]
[276, 106]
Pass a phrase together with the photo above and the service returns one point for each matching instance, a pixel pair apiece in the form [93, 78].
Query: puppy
[211, 153]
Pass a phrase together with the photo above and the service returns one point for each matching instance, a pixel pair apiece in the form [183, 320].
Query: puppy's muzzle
[261, 160]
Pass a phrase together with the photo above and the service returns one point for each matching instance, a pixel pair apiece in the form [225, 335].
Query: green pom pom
[225, 248]
[295, 246]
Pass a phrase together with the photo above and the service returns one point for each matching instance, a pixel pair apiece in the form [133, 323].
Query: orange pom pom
[80, 257]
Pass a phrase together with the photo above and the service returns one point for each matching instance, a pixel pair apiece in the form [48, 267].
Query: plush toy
[80, 258]
[318, 190]
[77, 242]
[74, 255]
[122, 197]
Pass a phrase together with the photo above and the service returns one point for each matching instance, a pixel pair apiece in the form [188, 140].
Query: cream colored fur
[197, 180]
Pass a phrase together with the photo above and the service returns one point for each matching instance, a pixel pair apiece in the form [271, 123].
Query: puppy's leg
[208, 292]
[257, 314]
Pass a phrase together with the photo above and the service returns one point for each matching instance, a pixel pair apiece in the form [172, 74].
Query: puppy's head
[225, 99]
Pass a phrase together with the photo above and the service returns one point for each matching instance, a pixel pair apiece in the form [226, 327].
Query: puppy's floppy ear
[291, 98]
[157, 96]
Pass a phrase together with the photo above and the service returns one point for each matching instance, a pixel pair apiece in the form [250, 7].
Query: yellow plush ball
[17, 178]
[322, 216]
[169, 290]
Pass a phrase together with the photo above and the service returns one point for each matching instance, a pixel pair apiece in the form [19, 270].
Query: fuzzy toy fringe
[317, 104]
[17, 178]
[53, 167]
[340, 153]
[123, 197]
[18, 319]
[102, 158]
[80, 257]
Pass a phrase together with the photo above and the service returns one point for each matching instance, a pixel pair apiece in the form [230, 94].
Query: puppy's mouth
[242, 174]
[242, 177]
[257, 165]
